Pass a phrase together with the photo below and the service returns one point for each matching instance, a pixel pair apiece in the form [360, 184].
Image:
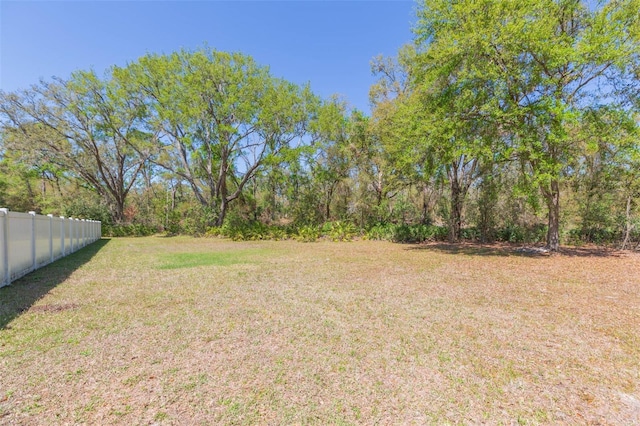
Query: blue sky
[327, 43]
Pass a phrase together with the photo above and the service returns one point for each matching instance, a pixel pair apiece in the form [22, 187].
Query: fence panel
[56, 237]
[20, 253]
[76, 234]
[68, 236]
[29, 241]
[43, 238]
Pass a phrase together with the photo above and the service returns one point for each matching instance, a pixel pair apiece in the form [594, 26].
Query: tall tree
[608, 177]
[402, 155]
[84, 126]
[435, 130]
[531, 67]
[219, 116]
[330, 165]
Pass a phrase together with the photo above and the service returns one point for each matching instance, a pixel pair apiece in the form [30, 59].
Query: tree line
[514, 121]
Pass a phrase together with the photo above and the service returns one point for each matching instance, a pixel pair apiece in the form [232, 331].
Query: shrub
[471, 234]
[128, 230]
[308, 234]
[381, 231]
[519, 234]
[250, 231]
[441, 233]
[600, 236]
[405, 233]
[510, 233]
[340, 231]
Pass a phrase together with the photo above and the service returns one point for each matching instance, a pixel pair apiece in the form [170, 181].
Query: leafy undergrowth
[205, 331]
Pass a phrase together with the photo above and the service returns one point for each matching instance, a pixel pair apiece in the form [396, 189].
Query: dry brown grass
[322, 333]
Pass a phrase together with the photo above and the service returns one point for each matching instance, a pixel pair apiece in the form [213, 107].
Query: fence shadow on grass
[505, 250]
[21, 294]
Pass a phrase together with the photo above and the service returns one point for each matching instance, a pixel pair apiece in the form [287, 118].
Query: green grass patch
[194, 260]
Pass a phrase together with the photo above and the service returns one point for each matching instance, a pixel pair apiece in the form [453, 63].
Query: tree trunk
[628, 225]
[327, 213]
[118, 212]
[455, 220]
[224, 204]
[425, 205]
[552, 197]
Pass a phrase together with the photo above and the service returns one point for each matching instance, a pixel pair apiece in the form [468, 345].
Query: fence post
[33, 241]
[6, 280]
[50, 216]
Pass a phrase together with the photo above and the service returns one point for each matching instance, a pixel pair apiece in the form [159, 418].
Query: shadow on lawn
[505, 249]
[21, 294]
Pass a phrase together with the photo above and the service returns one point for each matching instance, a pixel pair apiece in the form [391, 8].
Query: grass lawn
[205, 331]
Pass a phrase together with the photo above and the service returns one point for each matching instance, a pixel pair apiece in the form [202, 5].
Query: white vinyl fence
[29, 241]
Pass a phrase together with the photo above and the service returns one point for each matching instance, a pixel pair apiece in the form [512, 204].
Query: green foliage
[188, 218]
[470, 234]
[18, 186]
[127, 230]
[381, 231]
[412, 233]
[196, 219]
[252, 231]
[340, 230]
[511, 80]
[308, 234]
[520, 234]
[405, 233]
[223, 118]
[82, 126]
[238, 228]
[598, 236]
[88, 208]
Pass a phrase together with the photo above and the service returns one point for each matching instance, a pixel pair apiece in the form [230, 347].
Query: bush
[381, 231]
[519, 234]
[510, 233]
[600, 236]
[308, 234]
[407, 233]
[536, 233]
[251, 231]
[340, 230]
[128, 230]
[471, 234]
[441, 233]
